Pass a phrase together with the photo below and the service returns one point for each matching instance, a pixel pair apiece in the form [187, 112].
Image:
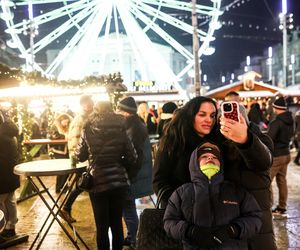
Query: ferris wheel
[80, 29]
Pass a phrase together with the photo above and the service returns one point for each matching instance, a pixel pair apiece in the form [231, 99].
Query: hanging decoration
[112, 82]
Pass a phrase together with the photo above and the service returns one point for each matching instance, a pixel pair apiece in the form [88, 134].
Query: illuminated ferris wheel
[81, 29]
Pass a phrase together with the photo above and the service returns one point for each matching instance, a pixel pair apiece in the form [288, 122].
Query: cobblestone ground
[33, 212]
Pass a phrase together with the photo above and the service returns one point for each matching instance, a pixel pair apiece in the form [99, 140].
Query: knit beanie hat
[128, 105]
[169, 107]
[209, 148]
[280, 103]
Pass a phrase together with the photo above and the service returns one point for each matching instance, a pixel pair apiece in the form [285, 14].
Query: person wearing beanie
[128, 105]
[281, 130]
[167, 113]
[210, 212]
[141, 184]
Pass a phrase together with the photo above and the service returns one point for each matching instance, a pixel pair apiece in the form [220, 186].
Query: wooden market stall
[249, 88]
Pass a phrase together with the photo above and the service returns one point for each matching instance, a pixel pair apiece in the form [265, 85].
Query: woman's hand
[233, 130]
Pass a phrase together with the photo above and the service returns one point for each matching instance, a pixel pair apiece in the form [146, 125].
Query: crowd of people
[215, 173]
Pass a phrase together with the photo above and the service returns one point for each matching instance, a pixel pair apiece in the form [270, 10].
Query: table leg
[27, 191]
[54, 214]
[72, 179]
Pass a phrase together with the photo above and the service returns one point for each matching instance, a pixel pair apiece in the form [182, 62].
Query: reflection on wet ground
[32, 213]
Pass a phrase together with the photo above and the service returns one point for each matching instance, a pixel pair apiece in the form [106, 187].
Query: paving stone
[32, 213]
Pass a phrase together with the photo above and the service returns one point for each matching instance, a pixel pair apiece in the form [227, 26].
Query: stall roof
[260, 89]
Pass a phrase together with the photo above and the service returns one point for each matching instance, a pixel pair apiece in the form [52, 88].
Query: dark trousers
[73, 195]
[131, 218]
[107, 208]
[60, 182]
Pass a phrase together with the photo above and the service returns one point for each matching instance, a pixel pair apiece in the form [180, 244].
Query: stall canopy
[248, 87]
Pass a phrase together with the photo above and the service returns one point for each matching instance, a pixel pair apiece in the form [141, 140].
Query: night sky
[249, 27]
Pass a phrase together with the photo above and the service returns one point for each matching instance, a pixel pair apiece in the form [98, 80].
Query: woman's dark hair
[179, 129]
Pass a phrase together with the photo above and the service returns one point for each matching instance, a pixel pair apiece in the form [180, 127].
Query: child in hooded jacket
[211, 213]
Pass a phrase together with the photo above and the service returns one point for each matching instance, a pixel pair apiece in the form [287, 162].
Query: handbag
[85, 181]
[151, 234]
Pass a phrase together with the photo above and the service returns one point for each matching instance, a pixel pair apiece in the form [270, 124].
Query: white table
[33, 171]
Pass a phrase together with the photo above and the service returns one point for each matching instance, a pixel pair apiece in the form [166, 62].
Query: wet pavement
[32, 213]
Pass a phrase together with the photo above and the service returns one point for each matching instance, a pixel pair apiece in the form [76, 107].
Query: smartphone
[230, 110]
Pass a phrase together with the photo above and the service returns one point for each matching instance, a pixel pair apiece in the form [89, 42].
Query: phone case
[233, 114]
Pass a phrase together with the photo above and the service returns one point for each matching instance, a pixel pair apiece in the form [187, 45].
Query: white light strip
[158, 67]
[168, 18]
[106, 36]
[133, 43]
[119, 41]
[60, 30]
[42, 90]
[70, 45]
[75, 67]
[164, 35]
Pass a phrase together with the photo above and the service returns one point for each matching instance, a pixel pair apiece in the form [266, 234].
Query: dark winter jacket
[246, 165]
[255, 114]
[9, 157]
[281, 130]
[210, 204]
[110, 152]
[141, 184]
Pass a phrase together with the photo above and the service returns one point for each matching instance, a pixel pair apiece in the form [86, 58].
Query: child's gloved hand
[201, 236]
[226, 232]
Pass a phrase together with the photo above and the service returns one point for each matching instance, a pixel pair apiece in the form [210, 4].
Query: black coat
[246, 165]
[141, 184]
[110, 152]
[249, 166]
[9, 157]
[281, 130]
[203, 203]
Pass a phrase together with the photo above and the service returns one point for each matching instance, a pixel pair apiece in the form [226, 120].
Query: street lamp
[293, 68]
[286, 22]
[223, 79]
[269, 62]
[196, 49]
[246, 69]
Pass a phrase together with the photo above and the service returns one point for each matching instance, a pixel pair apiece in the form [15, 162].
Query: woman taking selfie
[247, 157]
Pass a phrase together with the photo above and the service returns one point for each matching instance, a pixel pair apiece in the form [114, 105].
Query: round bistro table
[33, 171]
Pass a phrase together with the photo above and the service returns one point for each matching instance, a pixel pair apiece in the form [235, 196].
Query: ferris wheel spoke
[118, 40]
[169, 39]
[70, 45]
[134, 43]
[106, 38]
[169, 19]
[73, 69]
[50, 16]
[179, 5]
[25, 3]
[157, 64]
[60, 30]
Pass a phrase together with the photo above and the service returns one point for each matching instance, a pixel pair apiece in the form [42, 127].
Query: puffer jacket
[9, 157]
[246, 165]
[209, 204]
[111, 155]
[281, 130]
